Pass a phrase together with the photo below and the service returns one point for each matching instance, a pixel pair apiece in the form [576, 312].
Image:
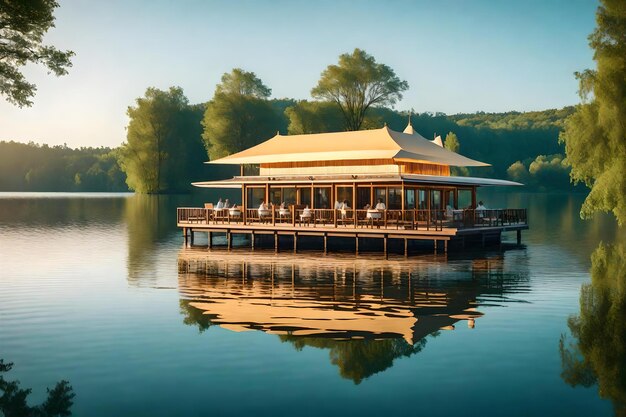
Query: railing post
[356, 218]
[335, 217]
[273, 216]
[293, 215]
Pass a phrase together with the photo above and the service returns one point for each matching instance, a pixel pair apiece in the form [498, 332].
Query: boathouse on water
[375, 183]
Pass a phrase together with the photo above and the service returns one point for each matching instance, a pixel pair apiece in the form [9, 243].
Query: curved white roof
[381, 143]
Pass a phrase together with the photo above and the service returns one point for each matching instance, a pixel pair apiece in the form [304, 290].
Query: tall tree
[357, 83]
[314, 117]
[161, 134]
[239, 115]
[23, 25]
[595, 135]
[451, 143]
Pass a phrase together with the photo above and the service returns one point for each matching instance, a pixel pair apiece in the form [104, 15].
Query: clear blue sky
[457, 56]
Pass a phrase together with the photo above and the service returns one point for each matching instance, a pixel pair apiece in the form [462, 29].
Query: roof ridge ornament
[409, 128]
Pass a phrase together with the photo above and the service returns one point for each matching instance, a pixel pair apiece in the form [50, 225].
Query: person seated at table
[226, 204]
[282, 205]
[344, 207]
[263, 207]
[337, 205]
[307, 212]
[480, 209]
[220, 204]
[367, 206]
[380, 205]
[234, 207]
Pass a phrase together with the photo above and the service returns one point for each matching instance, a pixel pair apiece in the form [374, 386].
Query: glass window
[363, 197]
[422, 199]
[409, 199]
[322, 197]
[450, 198]
[344, 194]
[435, 200]
[305, 196]
[380, 193]
[465, 198]
[254, 197]
[275, 195]
[289, 196]
[395, 198]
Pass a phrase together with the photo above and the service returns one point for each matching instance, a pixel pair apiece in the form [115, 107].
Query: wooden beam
[325, 242]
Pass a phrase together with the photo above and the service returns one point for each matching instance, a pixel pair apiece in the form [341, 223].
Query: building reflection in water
[597, 353]
[367, 312]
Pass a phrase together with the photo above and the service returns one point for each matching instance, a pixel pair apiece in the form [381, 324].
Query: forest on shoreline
[521, 146]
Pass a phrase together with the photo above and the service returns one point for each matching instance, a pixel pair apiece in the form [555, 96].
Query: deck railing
[415, 219]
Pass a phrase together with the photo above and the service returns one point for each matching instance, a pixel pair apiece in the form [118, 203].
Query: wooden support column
[229, 239]
[210, 239]
[252, 239]
[406, 247]
[325, 242]
[356, 237]
[519, 237]
[435, 244]
[385, 246]
[295, 242]
[275, 242]
[191, 236]
[445, 246]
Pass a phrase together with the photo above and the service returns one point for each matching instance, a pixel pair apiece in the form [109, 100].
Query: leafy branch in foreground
[13, 399]
[23, 25]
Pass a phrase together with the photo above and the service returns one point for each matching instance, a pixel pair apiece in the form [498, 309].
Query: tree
[239, 115]
[595, 135]
[314, 117]
[357, 83]
[451, 143]
[23, 25]
[243, 83]
[163, 141]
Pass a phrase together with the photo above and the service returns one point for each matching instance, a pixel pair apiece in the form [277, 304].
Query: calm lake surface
[98, 289]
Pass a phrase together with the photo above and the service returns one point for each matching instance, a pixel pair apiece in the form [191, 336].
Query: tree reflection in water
[597, 355]
[365, 312]
[358, 359]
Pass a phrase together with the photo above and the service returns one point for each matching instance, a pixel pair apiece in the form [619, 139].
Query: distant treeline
[33, 167]
[520, 146]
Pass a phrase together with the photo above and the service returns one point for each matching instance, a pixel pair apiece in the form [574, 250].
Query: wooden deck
[436, 226]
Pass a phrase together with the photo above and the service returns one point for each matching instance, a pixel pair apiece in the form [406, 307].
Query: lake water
[98, 290]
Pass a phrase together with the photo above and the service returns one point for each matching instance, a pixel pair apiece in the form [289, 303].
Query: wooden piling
[252, 239]
[519, 237]
[325, 243]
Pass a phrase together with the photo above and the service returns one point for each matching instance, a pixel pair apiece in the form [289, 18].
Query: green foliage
[546, 119]
[545, 172]
[23, 25]
[32, 167]
[452, 143]
[164, 145]
[595, 135]
[314, 117]
[243, 83]
[13, 401]
[598, 352]
[357, 83]
[238, 117]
